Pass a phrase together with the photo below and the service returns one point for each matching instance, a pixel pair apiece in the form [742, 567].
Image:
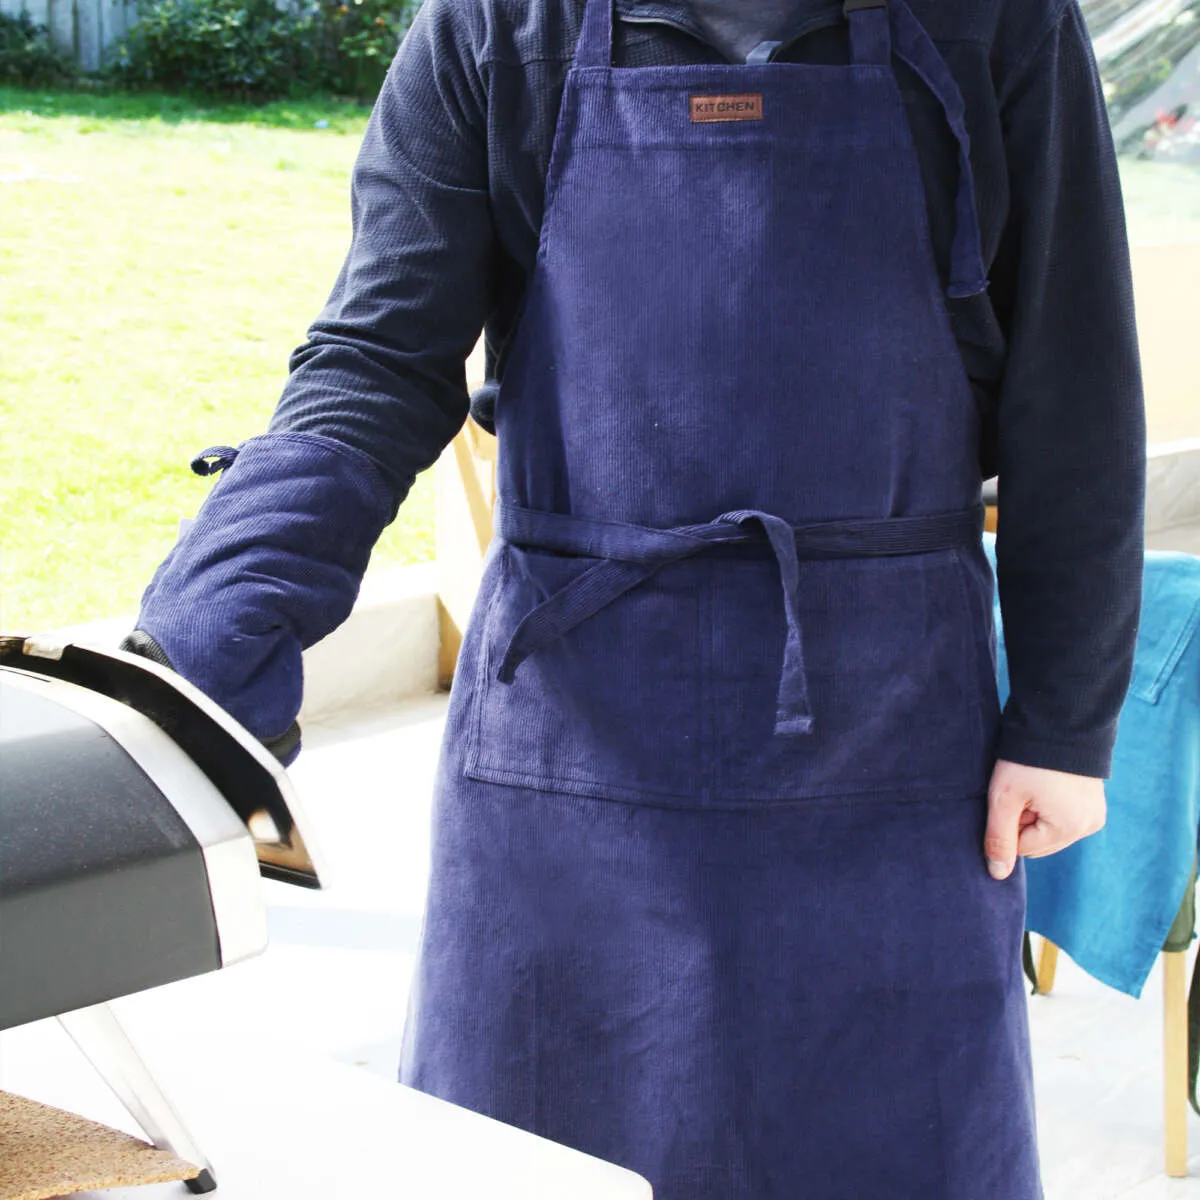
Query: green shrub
[27, 55]
[363, 36]
[258, 49]
[246, 48]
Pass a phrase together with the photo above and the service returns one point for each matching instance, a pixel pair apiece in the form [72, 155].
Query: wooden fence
[84, 29]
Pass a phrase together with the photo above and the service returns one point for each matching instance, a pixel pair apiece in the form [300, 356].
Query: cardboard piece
[45, 1152]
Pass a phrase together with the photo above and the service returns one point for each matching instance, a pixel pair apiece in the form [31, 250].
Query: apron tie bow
[632, 554]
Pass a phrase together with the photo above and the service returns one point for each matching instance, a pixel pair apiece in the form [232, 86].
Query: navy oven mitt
[271, 564]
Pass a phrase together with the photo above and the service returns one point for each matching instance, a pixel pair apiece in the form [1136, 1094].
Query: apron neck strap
[595, 45]
[870, 32]
[880, 28]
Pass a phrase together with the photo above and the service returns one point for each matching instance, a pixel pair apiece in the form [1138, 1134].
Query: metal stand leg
[105, 1044]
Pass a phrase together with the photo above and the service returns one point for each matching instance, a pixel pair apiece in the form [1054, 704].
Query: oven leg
[104, 1042]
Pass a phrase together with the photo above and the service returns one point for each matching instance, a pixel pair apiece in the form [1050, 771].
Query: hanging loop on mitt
[213, 460]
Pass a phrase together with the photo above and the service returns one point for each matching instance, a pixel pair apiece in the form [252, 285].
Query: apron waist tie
[631, 554]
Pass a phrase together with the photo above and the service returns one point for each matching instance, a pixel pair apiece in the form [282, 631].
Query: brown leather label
[746, 107]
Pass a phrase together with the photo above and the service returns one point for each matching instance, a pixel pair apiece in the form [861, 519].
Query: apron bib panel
[757, 324]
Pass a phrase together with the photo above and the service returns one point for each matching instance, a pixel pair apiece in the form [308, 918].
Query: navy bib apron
[708, 897]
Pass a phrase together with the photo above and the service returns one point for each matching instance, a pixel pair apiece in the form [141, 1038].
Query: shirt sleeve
[383, 368]
[1071, 425]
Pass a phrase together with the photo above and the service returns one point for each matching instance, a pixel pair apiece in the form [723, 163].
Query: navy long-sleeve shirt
[447, 198]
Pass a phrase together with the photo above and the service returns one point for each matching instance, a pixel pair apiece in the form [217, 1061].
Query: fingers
[1006, 808]
[1039, 838]
[1033, 812]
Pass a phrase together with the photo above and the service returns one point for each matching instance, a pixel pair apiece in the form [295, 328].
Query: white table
[311, 1128]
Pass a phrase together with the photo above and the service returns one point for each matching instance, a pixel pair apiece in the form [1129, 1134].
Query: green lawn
[158, 263]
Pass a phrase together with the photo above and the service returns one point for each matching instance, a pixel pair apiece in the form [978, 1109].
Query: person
[725, 878]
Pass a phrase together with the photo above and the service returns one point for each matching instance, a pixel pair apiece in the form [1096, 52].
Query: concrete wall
[1166, 282]
[386, 652]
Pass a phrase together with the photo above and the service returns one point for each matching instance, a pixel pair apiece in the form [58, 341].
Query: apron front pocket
[611, 709]
[895, 658]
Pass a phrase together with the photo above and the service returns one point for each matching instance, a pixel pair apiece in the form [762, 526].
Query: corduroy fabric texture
[767, 1004]
[654, 843]
[638, 553]
[448, 203]
[271, 564]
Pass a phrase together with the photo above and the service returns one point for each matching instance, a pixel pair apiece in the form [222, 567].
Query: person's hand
[1034, 812]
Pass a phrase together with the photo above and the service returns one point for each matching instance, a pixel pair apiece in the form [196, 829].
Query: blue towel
[1109, 900]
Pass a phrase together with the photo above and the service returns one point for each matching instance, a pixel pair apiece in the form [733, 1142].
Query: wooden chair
[466, 495]
[1175, 1049]
[1172, 523]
